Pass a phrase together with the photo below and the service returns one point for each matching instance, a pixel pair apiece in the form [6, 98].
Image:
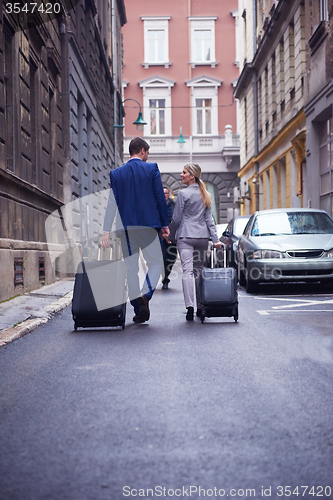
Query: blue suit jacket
[137, 192]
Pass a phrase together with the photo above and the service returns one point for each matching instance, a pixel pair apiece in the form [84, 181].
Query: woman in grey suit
[192, 224]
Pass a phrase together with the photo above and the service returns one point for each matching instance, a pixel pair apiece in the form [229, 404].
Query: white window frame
[203, 24]
[324, 10]
[204, 87]
[157, 88]
[203, 109]
[160, 23]
[157, 110]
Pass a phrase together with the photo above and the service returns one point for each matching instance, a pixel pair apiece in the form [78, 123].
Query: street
[173, 408]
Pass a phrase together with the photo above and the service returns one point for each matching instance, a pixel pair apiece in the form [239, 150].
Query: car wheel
[250, 285]
[241, 277]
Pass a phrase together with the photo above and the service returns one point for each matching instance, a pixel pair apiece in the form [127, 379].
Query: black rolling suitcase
[218, 292]
[100, 294]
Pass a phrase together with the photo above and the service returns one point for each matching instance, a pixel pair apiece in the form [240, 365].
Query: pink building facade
[180, 64]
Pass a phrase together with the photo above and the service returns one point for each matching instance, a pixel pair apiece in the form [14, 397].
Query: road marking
[307, 310]
[268, 313]
[283, 299]
[304, 303]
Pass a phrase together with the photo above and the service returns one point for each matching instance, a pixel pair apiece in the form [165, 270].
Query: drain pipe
[114, 78]
[255, 102]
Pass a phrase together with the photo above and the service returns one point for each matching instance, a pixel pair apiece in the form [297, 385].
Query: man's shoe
[165, 286]
[143, 314]
[190, 314]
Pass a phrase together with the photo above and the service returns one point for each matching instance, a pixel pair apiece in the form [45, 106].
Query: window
[280, 61]
[204, 105]
[203, 45]
[157, 116]
[204, 116]
[273, 88]
[268, 190]
[267, 91]
[18, 271]
[156, 41]
[33, 118]
[320, 12]
[291, 57]
[41, 269]
[324, 10]
[260, 104]
[326, 165]
[9, 96]
[203, 41]
[246, 125]
[157, 105]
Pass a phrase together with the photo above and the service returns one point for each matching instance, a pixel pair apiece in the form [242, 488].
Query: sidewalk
[23, 314]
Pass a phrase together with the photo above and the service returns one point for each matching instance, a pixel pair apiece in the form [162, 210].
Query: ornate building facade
[285, 102]
[180, 65]
[58, 86]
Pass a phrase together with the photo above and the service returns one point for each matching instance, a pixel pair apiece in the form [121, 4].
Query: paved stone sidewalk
[24, 313]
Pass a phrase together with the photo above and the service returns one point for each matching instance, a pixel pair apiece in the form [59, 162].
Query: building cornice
[244, 80]
[279, 17]
[202, 18]
[271, 146]
[204, 81]
[155, 18]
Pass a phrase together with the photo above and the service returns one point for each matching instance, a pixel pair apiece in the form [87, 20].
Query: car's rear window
[292, 223]
[240, 226]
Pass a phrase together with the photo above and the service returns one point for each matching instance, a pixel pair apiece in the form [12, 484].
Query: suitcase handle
[213, 256]
[99, 253]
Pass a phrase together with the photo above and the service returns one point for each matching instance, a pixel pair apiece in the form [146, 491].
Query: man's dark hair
[136, 145]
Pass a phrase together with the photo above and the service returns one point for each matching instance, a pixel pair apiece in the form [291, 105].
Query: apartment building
[271, 91]
[319, 105]
[60, 77]
[180, 66]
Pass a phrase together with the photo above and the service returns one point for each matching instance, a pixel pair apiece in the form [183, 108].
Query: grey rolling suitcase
[100, 294]
[218, 292]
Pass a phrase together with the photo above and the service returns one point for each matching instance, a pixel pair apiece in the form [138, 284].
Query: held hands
[218, 244]
[165, 233]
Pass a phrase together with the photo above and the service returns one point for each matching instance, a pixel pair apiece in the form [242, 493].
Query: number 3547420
[30, 8]
[304, 491]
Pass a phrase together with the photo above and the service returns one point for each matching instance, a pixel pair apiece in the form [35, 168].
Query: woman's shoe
[190, 314]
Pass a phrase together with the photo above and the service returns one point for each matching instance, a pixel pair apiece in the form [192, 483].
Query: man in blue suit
[137, 192]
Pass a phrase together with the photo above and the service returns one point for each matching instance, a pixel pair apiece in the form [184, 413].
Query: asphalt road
[160, 410]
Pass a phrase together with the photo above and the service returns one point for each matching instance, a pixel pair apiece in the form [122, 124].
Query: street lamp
[139, 122]
[181, 139]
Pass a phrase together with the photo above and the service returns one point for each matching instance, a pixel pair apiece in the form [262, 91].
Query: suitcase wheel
[123, 326]
[75, 327]
[236, 318]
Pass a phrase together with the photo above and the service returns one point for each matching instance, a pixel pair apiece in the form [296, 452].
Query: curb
[27, 326]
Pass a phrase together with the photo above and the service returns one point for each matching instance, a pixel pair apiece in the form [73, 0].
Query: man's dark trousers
[169, 258]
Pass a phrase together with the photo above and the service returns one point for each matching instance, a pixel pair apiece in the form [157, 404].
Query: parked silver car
[286, 244]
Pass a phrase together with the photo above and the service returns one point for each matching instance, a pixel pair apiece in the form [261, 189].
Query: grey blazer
[191, 219]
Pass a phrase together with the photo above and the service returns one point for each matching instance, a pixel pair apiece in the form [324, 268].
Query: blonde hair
[195, 170]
